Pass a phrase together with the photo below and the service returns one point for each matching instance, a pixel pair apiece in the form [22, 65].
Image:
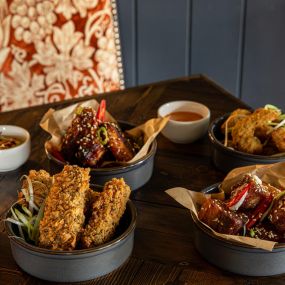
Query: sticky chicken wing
[80, 143]
[118, 144]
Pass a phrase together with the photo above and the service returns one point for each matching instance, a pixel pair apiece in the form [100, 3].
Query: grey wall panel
[127, 24]
[238, 43]
[216, 40]
[163, 39]
[264, 54]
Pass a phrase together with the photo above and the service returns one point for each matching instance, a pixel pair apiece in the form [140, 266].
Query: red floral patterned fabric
[52, 50]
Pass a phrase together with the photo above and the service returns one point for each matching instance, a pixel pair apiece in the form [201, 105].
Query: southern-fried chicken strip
[64, 209]
[40, 182]
[107, 211]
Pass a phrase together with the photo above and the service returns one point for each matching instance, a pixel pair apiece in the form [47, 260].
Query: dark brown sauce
[185, 116]
[8, 142]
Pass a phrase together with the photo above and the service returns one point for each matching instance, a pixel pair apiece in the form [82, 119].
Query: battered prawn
[278, 138]
[234, 117]
[245, 131]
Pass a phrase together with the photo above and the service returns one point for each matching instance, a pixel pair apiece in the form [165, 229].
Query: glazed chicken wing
[118, 144]
[80, 143]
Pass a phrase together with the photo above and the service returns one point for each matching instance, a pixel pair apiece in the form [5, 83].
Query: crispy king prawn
[244, 132]
[256, 132]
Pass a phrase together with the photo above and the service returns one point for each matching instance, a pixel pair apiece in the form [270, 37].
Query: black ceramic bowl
[76, 265]
[226, 159]
[235, 257]
[135, 174]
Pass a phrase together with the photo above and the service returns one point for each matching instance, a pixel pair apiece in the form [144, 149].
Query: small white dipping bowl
[12, 158]
[188, 131]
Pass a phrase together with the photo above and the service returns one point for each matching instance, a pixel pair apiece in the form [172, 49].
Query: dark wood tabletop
[164, 251]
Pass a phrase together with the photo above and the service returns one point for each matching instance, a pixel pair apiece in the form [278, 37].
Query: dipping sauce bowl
[188, 121]
[13, 157]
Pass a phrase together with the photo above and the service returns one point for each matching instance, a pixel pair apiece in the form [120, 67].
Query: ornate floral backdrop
[52, 50]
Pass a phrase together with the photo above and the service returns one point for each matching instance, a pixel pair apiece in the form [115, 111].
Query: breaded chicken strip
[40, 181]
[107, 211]
[64, 209]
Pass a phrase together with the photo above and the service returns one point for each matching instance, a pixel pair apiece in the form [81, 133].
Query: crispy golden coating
[243, 133]
[278, 137]
[41, 182]
[107, 211]
[64, 209]
[234, 117]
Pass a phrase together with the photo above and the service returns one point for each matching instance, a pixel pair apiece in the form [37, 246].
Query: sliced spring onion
[252, 233]
[282, 123]
[27, 211]
[271, 107]
[27, 219]
[14, 214]
[102, 134]
[79, 110]
[21, 217]
[32, 205]
[13, 221]
[35, 234]
[244, 230]
[26, 194]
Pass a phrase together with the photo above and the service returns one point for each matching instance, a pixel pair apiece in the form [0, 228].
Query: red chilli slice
[101, 111]
[239, 196]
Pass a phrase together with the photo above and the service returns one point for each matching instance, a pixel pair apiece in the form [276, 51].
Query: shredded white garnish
[257, 179]
[236, 206]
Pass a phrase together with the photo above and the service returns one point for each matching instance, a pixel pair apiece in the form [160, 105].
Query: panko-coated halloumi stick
[107, 211]
[64, 209]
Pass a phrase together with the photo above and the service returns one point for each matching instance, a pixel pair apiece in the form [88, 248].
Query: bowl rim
[77, 252]
[151, 152]
[204, 118]
[207, 231]
[232, 151]
[26, 136]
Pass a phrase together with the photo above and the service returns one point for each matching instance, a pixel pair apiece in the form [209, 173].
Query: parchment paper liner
[56, 122]
[273, 174]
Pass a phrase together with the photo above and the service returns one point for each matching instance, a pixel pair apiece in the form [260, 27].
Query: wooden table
[164, 252]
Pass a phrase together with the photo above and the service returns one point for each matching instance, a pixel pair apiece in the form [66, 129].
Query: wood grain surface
[164, 251]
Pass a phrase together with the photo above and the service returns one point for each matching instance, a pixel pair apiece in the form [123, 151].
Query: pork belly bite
[266, 232]
[252, 190]
[64, 209]
[277, 215]
[216, 215]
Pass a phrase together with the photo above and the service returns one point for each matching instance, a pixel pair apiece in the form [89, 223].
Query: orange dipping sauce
[185, 116]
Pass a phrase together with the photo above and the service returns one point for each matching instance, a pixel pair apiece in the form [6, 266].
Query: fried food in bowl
[247, 137]
[69, 232]
[252, 209]
[111, 149]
